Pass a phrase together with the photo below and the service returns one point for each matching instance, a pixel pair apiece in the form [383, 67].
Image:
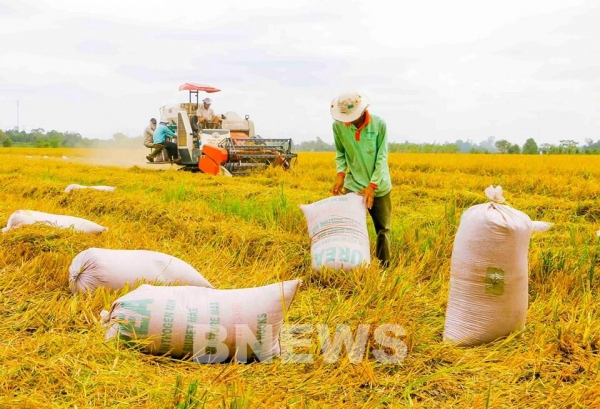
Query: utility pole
[17, 115]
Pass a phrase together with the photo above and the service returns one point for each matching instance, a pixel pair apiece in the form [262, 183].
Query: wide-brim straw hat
[349, 107]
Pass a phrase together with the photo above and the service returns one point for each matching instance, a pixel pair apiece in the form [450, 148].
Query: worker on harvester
[206, 116]
[160, 136]
[149, 140]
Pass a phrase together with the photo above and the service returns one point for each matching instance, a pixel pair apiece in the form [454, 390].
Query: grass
[249, 231]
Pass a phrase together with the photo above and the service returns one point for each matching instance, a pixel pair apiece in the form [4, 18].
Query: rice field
[249, 231]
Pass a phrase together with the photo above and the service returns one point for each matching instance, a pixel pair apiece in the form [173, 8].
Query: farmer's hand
[338, 185]
[369, 196]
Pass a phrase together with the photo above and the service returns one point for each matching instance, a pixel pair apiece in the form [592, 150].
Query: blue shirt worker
[160, 136]
[362, 162]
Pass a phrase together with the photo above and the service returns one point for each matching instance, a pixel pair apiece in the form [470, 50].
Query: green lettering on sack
[319, 258]
[357, 257]
[344, 254]
[129, 324]
[213, 334]
[330, 255]
[494, 281]
[167, 331]
[188, 340]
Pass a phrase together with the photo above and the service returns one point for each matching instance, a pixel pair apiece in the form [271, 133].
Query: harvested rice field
[249, 231]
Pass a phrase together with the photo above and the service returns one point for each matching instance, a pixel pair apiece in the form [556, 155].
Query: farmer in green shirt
[361, 162]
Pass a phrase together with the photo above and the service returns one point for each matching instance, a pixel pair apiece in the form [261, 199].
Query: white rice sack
[337, 227]
[489, 272]
[102, 188]
[112, 269]
[210, 325]
[24, 217]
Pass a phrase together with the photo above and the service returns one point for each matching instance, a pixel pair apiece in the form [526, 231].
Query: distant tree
[41, 143]
[590, 148]
[464, 146]
[18, 136]
[411, 147]
[503, 146]
[488, 144]
[545, 148]
[315, 146]
[6, 142]
[569, 146]
[71, 139]
[530, 147]
[120, 138]
[54, 142]
[514, 149]
[87, 143]
[556, 150]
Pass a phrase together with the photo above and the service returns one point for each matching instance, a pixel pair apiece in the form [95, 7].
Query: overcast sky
[435, 70]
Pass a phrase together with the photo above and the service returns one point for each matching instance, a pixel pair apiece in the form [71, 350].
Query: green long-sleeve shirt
[363, 161]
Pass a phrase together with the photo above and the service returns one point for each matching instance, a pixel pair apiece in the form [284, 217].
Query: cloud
[97, 47]
[434, 70]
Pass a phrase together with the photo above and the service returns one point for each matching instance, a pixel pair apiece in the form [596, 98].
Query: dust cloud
[123, 157]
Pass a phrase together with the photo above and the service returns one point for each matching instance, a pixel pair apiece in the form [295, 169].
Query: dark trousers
[381, 213]
[171, 149]
[157, 149]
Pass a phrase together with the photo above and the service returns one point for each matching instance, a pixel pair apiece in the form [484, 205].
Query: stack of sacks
[337, 227]
[113, 269]
[24, 217]
[209, 325]
[102, 188]
[489, 272]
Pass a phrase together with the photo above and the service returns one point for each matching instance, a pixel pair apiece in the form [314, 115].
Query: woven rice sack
[337, 227]
[102, 188]
[112, 269]
[210, 325]
[24, 217]
[489, 272]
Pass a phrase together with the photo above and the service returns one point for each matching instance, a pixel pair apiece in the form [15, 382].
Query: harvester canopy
[193, 86]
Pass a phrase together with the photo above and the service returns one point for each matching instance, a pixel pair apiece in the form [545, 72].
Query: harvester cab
[231, 149]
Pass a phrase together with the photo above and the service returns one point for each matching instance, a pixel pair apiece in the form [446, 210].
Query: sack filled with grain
[208, 325]
[24, 217]
[112, 269]
[489, 272]
[337, 227]
[102, 188]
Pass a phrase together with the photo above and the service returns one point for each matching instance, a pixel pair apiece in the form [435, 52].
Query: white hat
[349, 107]
[207, 101]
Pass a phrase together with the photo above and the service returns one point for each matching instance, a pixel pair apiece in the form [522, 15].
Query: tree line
[489, 145]
[54, 139]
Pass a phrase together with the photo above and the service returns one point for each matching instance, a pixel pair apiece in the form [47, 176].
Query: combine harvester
[232, 149]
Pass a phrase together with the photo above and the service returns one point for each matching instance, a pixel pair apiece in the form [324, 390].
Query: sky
[434, 70]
